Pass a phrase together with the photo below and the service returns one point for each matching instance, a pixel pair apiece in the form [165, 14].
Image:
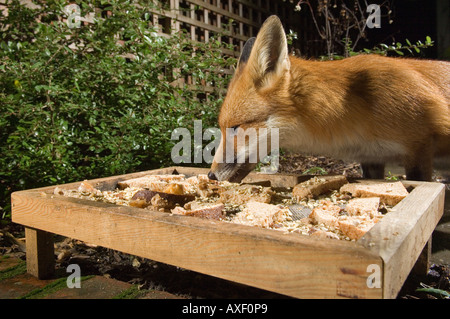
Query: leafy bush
[74, 105]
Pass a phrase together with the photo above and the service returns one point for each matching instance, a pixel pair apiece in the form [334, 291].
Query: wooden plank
[197, 23]
[254, 6]
[40, 253]
[206, 16]
[402, 234]
[175, 24]
[241, 26]
[217, 9]
[289, 264]
[192, 14]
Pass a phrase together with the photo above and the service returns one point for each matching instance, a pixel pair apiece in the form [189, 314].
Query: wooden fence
[232, 22]
[237, 20]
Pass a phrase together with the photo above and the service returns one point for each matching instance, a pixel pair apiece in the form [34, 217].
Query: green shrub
[73, 106]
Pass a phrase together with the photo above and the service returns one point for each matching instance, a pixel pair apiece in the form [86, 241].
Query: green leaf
[434, 291]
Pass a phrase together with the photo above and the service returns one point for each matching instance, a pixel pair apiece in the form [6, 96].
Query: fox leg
[373, 170]
[418, 173]
[419, 170]
[419, 165]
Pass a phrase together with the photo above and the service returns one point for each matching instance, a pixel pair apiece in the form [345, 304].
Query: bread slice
[244, 193]
[144, 198]
[261, 215]
[317, 186]
[208, 211]
[326, 214]
[389, 193]
[152, 182]
[86, 188]
[203, 186]
[363, 206]
[354, 227]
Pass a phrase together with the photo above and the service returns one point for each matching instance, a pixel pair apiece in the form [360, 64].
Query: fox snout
[231, 162]
[232, 172]
[240, 151]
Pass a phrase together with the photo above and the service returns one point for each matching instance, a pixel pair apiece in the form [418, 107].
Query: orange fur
[367, 108]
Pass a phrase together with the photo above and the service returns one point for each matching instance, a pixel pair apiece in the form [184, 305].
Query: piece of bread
[261, 215]
[152, 182]
[317, 185]
[200, 178]
[203, 186]
[326, 214]
[389, 193]
[175, 189]
[86, 188]
[354, 227]
[144, 198]
[244, 193]
[208, 211]
[363, 206]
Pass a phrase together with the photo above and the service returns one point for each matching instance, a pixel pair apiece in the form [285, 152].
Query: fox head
[254, 94]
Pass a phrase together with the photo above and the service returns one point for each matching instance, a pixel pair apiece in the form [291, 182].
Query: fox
[367, 108]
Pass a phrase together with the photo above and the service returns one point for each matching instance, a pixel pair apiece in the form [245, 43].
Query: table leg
[40, 253]
[423, 262]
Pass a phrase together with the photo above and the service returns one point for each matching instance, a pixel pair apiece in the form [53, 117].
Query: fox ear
[269, 55]
[246, 51]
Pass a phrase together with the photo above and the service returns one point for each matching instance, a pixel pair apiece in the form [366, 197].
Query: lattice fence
[231, 21]
[238, 20]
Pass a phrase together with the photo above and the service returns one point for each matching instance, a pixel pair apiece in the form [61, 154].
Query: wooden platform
[375, 266]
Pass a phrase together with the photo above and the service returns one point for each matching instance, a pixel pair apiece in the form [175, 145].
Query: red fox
[367, 108]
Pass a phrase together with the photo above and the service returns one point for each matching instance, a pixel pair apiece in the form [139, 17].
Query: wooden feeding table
[375, 266]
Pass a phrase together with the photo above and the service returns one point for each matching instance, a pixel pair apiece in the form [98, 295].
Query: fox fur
[367, 108]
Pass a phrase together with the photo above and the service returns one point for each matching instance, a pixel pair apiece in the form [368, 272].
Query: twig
[13, 240]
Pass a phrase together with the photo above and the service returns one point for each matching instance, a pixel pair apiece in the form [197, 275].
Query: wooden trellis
[236, 20]
[230, 21]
